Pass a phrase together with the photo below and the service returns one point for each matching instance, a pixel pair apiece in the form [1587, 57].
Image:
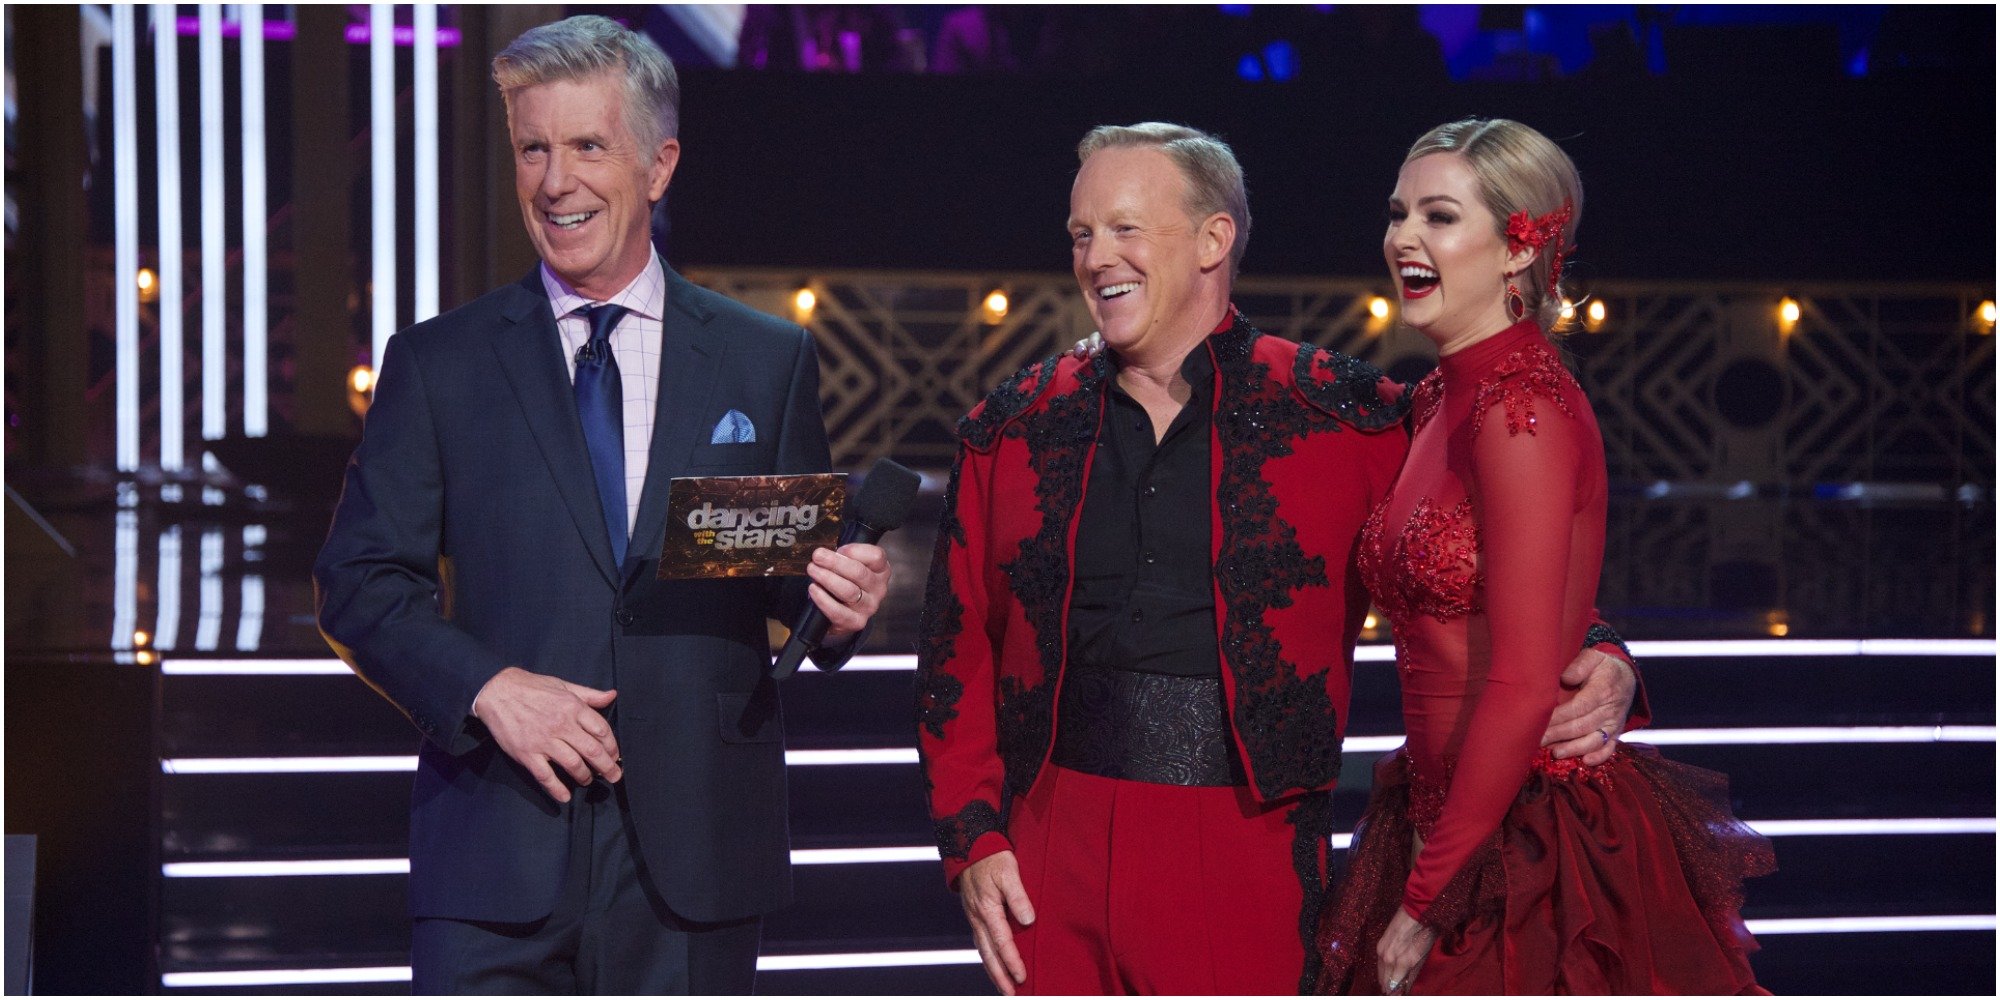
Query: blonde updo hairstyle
[1518, 168]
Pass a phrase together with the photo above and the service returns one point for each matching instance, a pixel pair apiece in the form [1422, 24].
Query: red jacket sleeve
[956, 703]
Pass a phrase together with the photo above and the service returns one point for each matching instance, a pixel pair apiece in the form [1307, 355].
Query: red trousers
[1145, 888]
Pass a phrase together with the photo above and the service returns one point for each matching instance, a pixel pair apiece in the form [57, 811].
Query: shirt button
[1150, 559]
[623, 617]
[1152, 490]
[1138, 615]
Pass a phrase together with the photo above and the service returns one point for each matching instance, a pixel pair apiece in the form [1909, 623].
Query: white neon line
[1872, 925]
[967, 956]
[252, 667]
[256, 222]
[424, 98]
[866, 960]
[167, 113]
[286, 765]
[1813, 647]
[893, 662]
[1375, 654]
[250, 617]
[1815, 734]
[285, 977]
[382, 170]
[125, 226]
[208, 623]
[125, 575]
[819, 758]
[277, 869]
[908, 755]
[862, 855]
[1868, 827]
[214, 235]
[167, 629]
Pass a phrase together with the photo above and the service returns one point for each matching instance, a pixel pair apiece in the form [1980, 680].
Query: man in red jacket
[1138, 631]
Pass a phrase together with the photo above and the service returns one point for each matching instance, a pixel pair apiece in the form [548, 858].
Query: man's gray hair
[577, 48]
[1214, 178]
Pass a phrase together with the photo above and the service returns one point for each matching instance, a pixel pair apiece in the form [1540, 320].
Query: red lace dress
[1540, 876]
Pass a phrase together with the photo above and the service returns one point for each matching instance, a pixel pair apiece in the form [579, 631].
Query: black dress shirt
[1144, 598]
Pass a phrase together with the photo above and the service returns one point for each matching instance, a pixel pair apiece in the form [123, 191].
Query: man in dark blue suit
[600, 794]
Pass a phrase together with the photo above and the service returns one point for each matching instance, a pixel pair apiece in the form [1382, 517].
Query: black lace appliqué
[941, 621]
[1349, 388]
[1312, 832]
[1059, 439]
[1601, 634]
[981, 428]
[1283, 715]
[958, 832]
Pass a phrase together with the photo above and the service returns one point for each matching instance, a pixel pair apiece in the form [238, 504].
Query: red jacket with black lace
[1304, 443]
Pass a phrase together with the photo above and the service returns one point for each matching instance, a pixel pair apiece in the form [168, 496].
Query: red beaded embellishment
[1529, 372]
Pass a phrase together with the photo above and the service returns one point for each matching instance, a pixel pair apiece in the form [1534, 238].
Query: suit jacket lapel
[690, 356]
[530, 353]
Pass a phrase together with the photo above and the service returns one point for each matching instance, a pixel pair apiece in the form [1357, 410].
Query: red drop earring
[1517, 306]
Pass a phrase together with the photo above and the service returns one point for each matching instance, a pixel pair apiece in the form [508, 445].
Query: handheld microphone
[879, 508]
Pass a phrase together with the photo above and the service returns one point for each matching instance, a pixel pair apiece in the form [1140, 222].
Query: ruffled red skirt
[1620, 879]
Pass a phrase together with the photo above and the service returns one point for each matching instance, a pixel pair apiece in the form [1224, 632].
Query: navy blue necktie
[600, 405]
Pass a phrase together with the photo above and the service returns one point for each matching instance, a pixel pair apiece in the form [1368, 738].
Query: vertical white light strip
[382, 165]
[125, 574]
[250, 617]
[167, 631]
[256, 218]
[424, 94]
[214, 235]
[167, 112]
[125, 223]
[208, 625]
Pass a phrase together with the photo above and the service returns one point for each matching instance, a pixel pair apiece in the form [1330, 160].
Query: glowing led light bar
[1696, 649]
[208, 621]
[820, 758]
[286, 765]
[250, 616]
[125, 574]
[284, 977]
[424, 105]
[1872, 925]
[256, 219]
[166, 631]
[214, 238]
[862, 855]
[866, 960]
[252, 667]
[167, 114]
[1815, 734]
[274, 869]
[125, 226]
[382, 173]
[1869, 827]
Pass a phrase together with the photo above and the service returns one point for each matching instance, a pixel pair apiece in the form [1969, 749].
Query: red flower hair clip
[1524, 232]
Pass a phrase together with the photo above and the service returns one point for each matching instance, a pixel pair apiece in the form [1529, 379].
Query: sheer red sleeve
[1525, 488]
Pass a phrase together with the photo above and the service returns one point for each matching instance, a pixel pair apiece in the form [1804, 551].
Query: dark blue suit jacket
[469, 538]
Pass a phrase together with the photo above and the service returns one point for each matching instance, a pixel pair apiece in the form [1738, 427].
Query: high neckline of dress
[1473, 361]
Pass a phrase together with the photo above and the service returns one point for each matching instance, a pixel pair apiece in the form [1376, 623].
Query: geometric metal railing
[1691, 382]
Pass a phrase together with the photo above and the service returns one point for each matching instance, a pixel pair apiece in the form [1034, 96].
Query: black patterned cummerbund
[1157, 728]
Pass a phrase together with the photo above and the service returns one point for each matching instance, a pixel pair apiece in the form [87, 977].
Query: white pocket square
[733, 428]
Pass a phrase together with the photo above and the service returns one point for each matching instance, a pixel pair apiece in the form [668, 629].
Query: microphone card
[725, 526]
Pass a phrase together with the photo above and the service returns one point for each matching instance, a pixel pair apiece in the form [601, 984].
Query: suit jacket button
[624, 617]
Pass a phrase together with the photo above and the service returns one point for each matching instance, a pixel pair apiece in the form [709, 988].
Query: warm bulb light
[1788, 311]
[149, 285]
[804, 300]
[145, 657]
[1370, 621]
[1986, 312]
[1780, 629]
[1595, 312]
[996, 304]
[1378, 307]
[140, 638]
[361, 379]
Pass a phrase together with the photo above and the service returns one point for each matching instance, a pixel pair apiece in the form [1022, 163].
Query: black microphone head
[886, 496]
